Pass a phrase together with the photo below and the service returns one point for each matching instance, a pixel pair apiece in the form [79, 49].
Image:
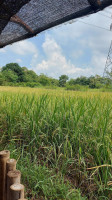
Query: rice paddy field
[62, 141]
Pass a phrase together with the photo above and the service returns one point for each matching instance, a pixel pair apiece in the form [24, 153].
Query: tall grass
[56, 136]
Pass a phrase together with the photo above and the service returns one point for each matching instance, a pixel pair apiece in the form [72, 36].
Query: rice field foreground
[62, 141]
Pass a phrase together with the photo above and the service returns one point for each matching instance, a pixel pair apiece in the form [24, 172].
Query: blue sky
[74, 48]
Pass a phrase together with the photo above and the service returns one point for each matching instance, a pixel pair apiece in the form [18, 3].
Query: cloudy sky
[75, 48]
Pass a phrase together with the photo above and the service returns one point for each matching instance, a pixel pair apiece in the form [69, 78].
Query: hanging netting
[20, 19]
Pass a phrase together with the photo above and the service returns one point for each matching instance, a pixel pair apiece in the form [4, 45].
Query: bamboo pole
[17, 191]
[13, 177]
[11, 165]
[4, 156]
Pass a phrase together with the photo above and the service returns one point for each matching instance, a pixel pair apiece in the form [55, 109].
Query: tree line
[14, 75]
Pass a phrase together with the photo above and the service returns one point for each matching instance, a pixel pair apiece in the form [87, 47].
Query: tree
[16, 69]
[24, 69]
[72, 81]
[10, 76]
[53, 81]
[44, 80]
[29, 76]
[1, 79]
[92, 83]
[62, 80]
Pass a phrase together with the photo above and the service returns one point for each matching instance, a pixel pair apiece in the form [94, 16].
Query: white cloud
[2, 51]
[34, 59]
[23, 48]
[18, 60]
[83, 41]
[56, 63]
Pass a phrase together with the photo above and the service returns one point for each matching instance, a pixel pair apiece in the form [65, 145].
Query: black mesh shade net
[20, 19]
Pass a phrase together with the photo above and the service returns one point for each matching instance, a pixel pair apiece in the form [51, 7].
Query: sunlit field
[61, 139]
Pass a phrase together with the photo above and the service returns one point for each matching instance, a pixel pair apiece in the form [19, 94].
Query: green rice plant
[56, 135]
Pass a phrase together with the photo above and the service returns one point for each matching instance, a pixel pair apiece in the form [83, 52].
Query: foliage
[29, 75]
[62, 80]
[44, 80]
[76, 87]
[92, 81]
[80, 80]
[1, 79]
[15, 68]
[12, 74]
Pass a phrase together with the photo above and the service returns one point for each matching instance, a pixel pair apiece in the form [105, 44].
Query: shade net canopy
[20, 19]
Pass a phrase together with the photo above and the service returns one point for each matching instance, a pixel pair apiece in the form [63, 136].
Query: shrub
[76, 87]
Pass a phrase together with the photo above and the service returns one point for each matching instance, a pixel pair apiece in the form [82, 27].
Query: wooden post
[4, 156]
[13, 177]
[11, 165]
[17, 191]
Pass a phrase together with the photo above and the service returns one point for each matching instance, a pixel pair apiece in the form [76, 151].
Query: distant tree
[12, 72]
[1, 79]
[96, 81]
[92, 83]
[29, 76]
[32, 75]
[54, 81]
[16, 69]
[99, 81]
[62, 80]
[44, 80]
[10, 76]
[72, 81]
[82, 80]
[24, 69]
